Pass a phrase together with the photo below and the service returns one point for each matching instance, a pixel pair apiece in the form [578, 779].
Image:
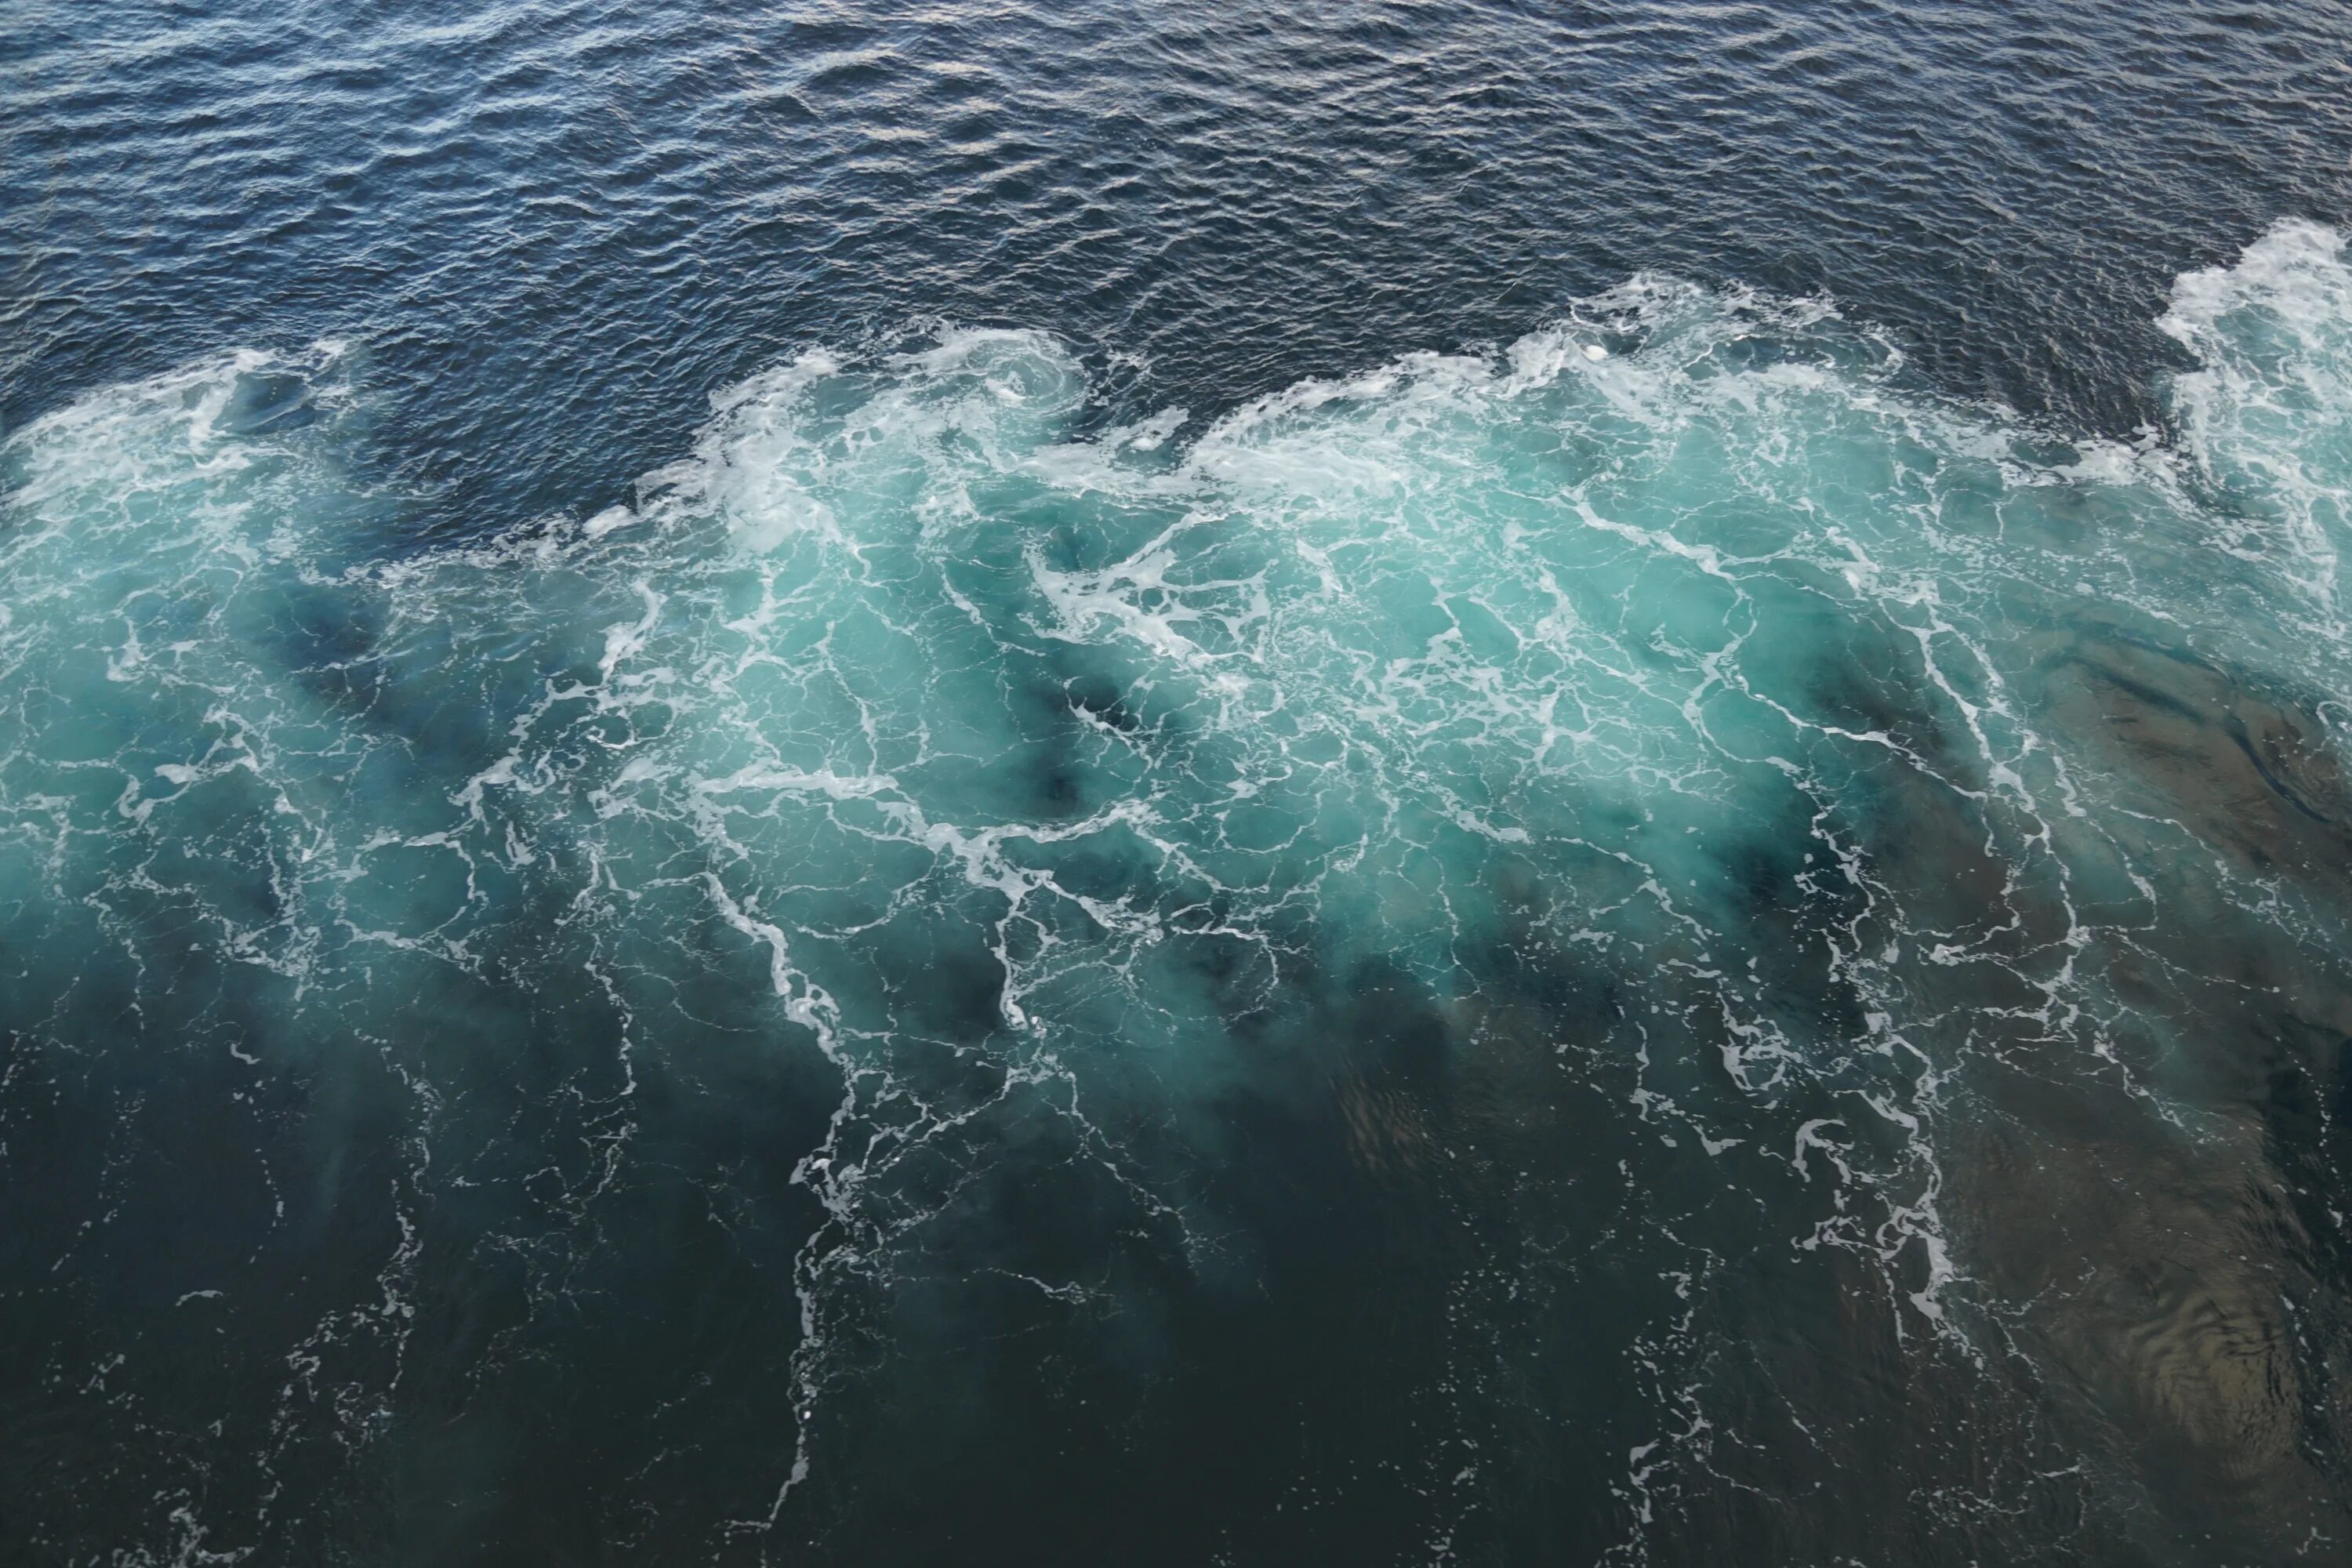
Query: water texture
[1676, 940]
[557, 226]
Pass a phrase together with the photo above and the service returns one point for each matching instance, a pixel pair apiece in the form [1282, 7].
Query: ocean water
[1364, 787]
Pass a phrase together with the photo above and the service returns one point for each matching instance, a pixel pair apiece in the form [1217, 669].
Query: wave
[1673, 860]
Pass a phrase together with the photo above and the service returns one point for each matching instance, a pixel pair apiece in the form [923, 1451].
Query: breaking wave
[1607, 907]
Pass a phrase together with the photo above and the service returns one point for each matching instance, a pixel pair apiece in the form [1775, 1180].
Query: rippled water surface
[1376, 784]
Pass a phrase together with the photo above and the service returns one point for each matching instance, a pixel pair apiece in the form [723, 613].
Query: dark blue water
[1376, 784]
[557, 228]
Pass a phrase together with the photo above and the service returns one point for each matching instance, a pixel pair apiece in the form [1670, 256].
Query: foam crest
[2268, 413]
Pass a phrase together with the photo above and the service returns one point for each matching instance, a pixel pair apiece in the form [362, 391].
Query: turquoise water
[1655, 942]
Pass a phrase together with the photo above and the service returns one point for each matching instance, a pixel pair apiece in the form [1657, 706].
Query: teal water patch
[1641, 944]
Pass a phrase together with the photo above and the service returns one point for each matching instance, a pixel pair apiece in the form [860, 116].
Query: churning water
[1670, 943]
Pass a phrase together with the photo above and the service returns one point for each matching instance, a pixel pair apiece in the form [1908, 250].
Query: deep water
[1376, 788]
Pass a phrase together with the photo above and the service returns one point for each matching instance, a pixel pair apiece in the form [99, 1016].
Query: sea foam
[1676, 872]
